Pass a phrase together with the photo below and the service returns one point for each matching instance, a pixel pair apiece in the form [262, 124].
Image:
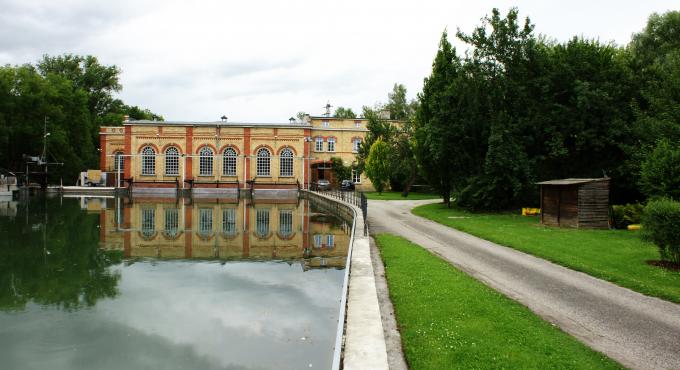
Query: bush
[661, 225]
[660, 174]
[630, 214]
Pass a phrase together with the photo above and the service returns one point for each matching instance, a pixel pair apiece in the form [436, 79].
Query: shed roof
[571, 181]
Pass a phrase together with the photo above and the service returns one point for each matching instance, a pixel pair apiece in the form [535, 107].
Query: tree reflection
[49, 255]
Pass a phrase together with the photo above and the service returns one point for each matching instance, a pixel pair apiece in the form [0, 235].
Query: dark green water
[74, 296]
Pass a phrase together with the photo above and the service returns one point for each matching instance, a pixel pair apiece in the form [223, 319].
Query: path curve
[638, 331]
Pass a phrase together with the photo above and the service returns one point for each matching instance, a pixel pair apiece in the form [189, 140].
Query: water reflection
[223, 229]
[49, 255]
[175, 284]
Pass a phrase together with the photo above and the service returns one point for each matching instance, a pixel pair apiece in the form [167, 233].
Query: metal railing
[352, 197]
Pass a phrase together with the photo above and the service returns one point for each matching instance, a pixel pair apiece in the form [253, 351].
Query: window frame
[331, 144]
[175, 161]
[148, 162]
[229, 162]
[118, 161]
[286, 163]
[261, 165]
[206, 161]
[318, 144]
[356, 177]
[356, 145]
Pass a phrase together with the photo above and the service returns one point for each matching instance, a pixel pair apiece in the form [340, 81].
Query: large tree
[436, 133]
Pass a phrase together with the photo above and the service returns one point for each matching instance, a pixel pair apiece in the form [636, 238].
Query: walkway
[638, 331]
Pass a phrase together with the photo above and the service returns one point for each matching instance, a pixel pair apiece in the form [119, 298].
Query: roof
[216, 123]
[571, 181]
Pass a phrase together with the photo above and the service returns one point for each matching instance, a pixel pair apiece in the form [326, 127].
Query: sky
[263, 60]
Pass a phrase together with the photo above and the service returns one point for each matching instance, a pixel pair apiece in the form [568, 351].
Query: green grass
[614, 255]
[396, 195]
[449, 320]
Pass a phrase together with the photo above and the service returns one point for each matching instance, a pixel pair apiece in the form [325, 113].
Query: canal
[177, 283]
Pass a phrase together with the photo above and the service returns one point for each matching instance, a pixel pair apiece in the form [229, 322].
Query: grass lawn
[449, 320]
[396, 195]
[615, 255]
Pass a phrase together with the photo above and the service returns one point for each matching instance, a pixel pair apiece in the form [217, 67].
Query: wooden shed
[580, 203]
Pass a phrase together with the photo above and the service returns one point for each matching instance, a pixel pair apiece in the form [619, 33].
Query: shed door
[551, 210]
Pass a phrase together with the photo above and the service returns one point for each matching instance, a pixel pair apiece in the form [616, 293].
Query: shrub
[661, 225]
[660, 174]
[630, 214]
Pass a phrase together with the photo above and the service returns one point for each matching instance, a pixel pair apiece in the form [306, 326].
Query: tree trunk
[410, 181]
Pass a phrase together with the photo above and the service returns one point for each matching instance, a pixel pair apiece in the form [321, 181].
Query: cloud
[266, 60]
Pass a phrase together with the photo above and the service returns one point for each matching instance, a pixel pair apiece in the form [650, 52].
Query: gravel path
[640, 332]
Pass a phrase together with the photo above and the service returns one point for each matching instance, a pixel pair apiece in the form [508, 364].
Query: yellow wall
[241, 137]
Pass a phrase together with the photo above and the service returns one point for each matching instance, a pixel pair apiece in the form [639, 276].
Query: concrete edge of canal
[364, 344]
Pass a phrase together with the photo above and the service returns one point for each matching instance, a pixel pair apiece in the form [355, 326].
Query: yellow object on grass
[531, 211]
[634, 227]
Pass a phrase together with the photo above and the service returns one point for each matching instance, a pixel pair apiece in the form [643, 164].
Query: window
[172, 162]
[205, 221]
[356, 144]
[118, 162]
[148, 222]
[286, 163]
[229, 163]
[317, 240]
[325, 123]
[330, 240]
[262, 222]
[148, 161]
[331, 144]
[229, 221]
[263, 159]
[205, 162]
[286, 222]
[357, 124]
[356, 177]
[319, 144]
[171, 222]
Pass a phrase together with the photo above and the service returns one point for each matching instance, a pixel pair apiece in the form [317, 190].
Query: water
[162, 284]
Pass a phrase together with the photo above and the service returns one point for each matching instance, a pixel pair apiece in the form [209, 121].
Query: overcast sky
[266, 60]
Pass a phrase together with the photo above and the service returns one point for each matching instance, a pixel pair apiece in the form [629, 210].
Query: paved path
[638, 331]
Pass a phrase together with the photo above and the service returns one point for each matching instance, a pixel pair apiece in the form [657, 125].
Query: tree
[74, 95]
[435, 148]
[301, 116]
[660, 175]
[85, 72]
[397, 104]
[378, 164]
[342, 112]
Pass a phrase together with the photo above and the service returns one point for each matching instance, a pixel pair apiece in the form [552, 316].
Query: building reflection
[284, 229]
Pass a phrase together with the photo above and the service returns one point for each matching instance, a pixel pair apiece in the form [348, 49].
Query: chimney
[126, 118]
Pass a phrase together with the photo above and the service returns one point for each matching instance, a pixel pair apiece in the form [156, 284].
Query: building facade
[222, 229]
[198, 155]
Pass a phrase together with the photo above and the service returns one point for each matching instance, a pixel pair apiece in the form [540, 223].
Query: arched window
[263, 159]
[331, 144]
[205, 163]
[286, 163]
[148, 161]
[229, 162]
[118, 162]
[172, 161]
